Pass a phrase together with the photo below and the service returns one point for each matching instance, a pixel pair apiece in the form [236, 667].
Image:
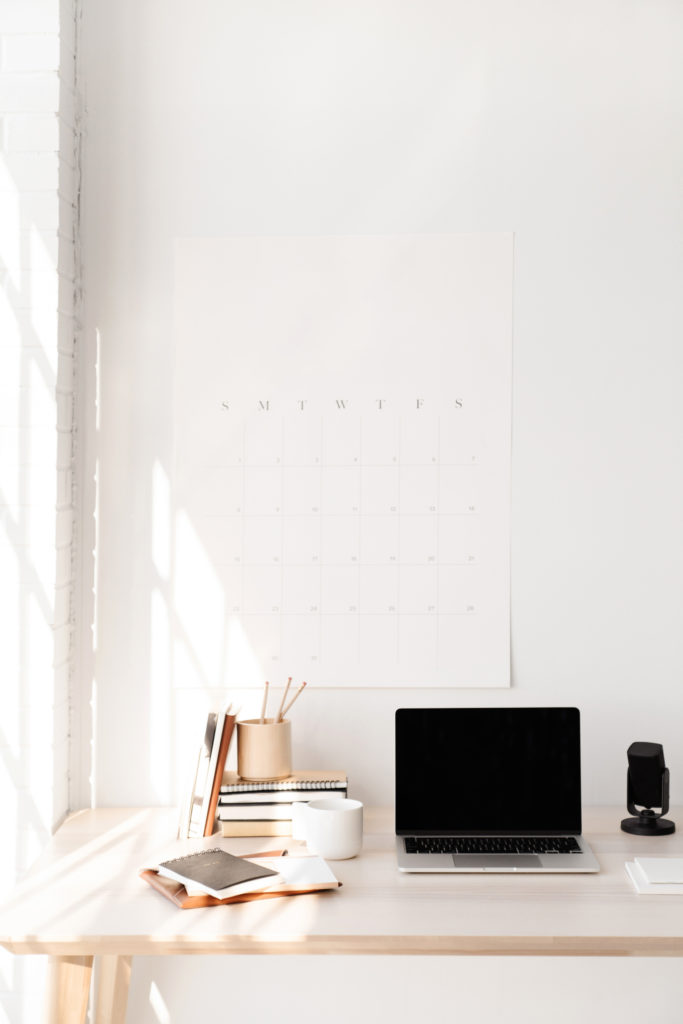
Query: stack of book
[198, 810]
[208, 877]
[265, 808]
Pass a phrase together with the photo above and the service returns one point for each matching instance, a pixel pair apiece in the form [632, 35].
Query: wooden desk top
[84, 897]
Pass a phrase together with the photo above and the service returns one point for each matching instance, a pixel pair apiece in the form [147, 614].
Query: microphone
[647, 786]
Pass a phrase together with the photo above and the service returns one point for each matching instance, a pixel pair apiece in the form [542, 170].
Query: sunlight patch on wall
[199, 605]
[160, 684]
[161, 521]
[243, 668]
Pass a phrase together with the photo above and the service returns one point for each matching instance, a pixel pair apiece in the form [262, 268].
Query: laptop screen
[487, 770]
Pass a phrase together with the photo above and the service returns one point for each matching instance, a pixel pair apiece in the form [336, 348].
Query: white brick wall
[31, 133]
[38, 306]
[30, 52]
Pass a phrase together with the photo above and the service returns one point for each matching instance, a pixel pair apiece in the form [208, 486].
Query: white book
[198, 800]
[255, 812]
[642, 885]
[661, 870]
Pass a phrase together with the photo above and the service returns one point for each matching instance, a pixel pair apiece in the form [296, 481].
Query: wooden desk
[84, 899]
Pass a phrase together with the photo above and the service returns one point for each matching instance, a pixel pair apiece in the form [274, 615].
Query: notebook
[298, 874]
[489, 789]
[218, 873]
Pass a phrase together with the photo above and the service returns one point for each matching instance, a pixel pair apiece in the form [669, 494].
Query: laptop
[489, 789]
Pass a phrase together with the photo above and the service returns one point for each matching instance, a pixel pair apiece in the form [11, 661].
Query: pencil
[293, 698]
[278, 717]
[265, 701]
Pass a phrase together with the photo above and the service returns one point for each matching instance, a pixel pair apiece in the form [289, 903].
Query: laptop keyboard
[492, 844]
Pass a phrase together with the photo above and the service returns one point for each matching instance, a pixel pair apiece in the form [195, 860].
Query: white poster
[342, 471]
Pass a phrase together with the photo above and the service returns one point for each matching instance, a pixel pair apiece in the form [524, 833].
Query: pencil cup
[264, 751]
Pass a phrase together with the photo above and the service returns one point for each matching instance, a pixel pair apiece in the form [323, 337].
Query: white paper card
[644, 887]
[343, 416]
[661, 870]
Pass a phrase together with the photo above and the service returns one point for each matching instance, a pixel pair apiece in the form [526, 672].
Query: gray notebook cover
[216, 868]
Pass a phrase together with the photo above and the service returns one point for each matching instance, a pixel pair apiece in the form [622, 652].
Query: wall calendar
[342, 455]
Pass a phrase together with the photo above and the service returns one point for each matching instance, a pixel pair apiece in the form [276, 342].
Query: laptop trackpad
[495, 861]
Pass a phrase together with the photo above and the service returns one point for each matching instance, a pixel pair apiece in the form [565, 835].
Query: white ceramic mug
[332, 827]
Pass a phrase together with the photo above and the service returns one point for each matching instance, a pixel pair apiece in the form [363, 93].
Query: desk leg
[68, 989]
[112, 989]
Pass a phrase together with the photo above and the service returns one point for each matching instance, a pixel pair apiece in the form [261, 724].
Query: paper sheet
[342, 411]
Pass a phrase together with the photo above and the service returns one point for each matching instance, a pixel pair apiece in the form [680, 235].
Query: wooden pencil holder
[264, 751]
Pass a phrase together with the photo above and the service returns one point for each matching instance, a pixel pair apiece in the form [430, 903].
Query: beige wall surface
[558, 123]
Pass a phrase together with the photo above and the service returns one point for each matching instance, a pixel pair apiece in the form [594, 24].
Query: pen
[264, 853]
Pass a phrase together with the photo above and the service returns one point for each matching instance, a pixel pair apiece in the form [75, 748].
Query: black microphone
[647, 786]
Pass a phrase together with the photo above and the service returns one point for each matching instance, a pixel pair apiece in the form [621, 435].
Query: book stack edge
[265, 808]
[657, 876]
[198, 810]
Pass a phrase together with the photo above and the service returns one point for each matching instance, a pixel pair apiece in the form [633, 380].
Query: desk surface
[84, 897]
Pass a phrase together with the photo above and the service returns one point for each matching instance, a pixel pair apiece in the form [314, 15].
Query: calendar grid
[397, 568]
[352, 506]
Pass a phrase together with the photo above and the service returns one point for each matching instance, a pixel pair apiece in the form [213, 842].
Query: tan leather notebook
[177, 893]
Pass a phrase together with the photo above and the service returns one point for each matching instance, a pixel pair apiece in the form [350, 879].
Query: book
[255, 812]
[279, 796]
[324, 780]
[217, 873]
[256, 828]
[198, 812]
[299, 875]
[641, 884]
[661, 870]
[216, 774]
[196, 824]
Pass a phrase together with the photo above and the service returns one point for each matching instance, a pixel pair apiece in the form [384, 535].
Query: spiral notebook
[218, 873]
[308, 780]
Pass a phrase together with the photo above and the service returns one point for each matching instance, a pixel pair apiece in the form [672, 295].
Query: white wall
[559, 122]
[38, 199]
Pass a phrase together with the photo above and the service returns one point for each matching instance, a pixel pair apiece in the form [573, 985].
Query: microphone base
[644, 826]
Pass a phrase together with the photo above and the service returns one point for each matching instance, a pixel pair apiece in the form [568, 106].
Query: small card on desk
[661, 869]
[657, 876]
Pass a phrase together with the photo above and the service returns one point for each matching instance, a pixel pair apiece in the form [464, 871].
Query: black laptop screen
[487, 770]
